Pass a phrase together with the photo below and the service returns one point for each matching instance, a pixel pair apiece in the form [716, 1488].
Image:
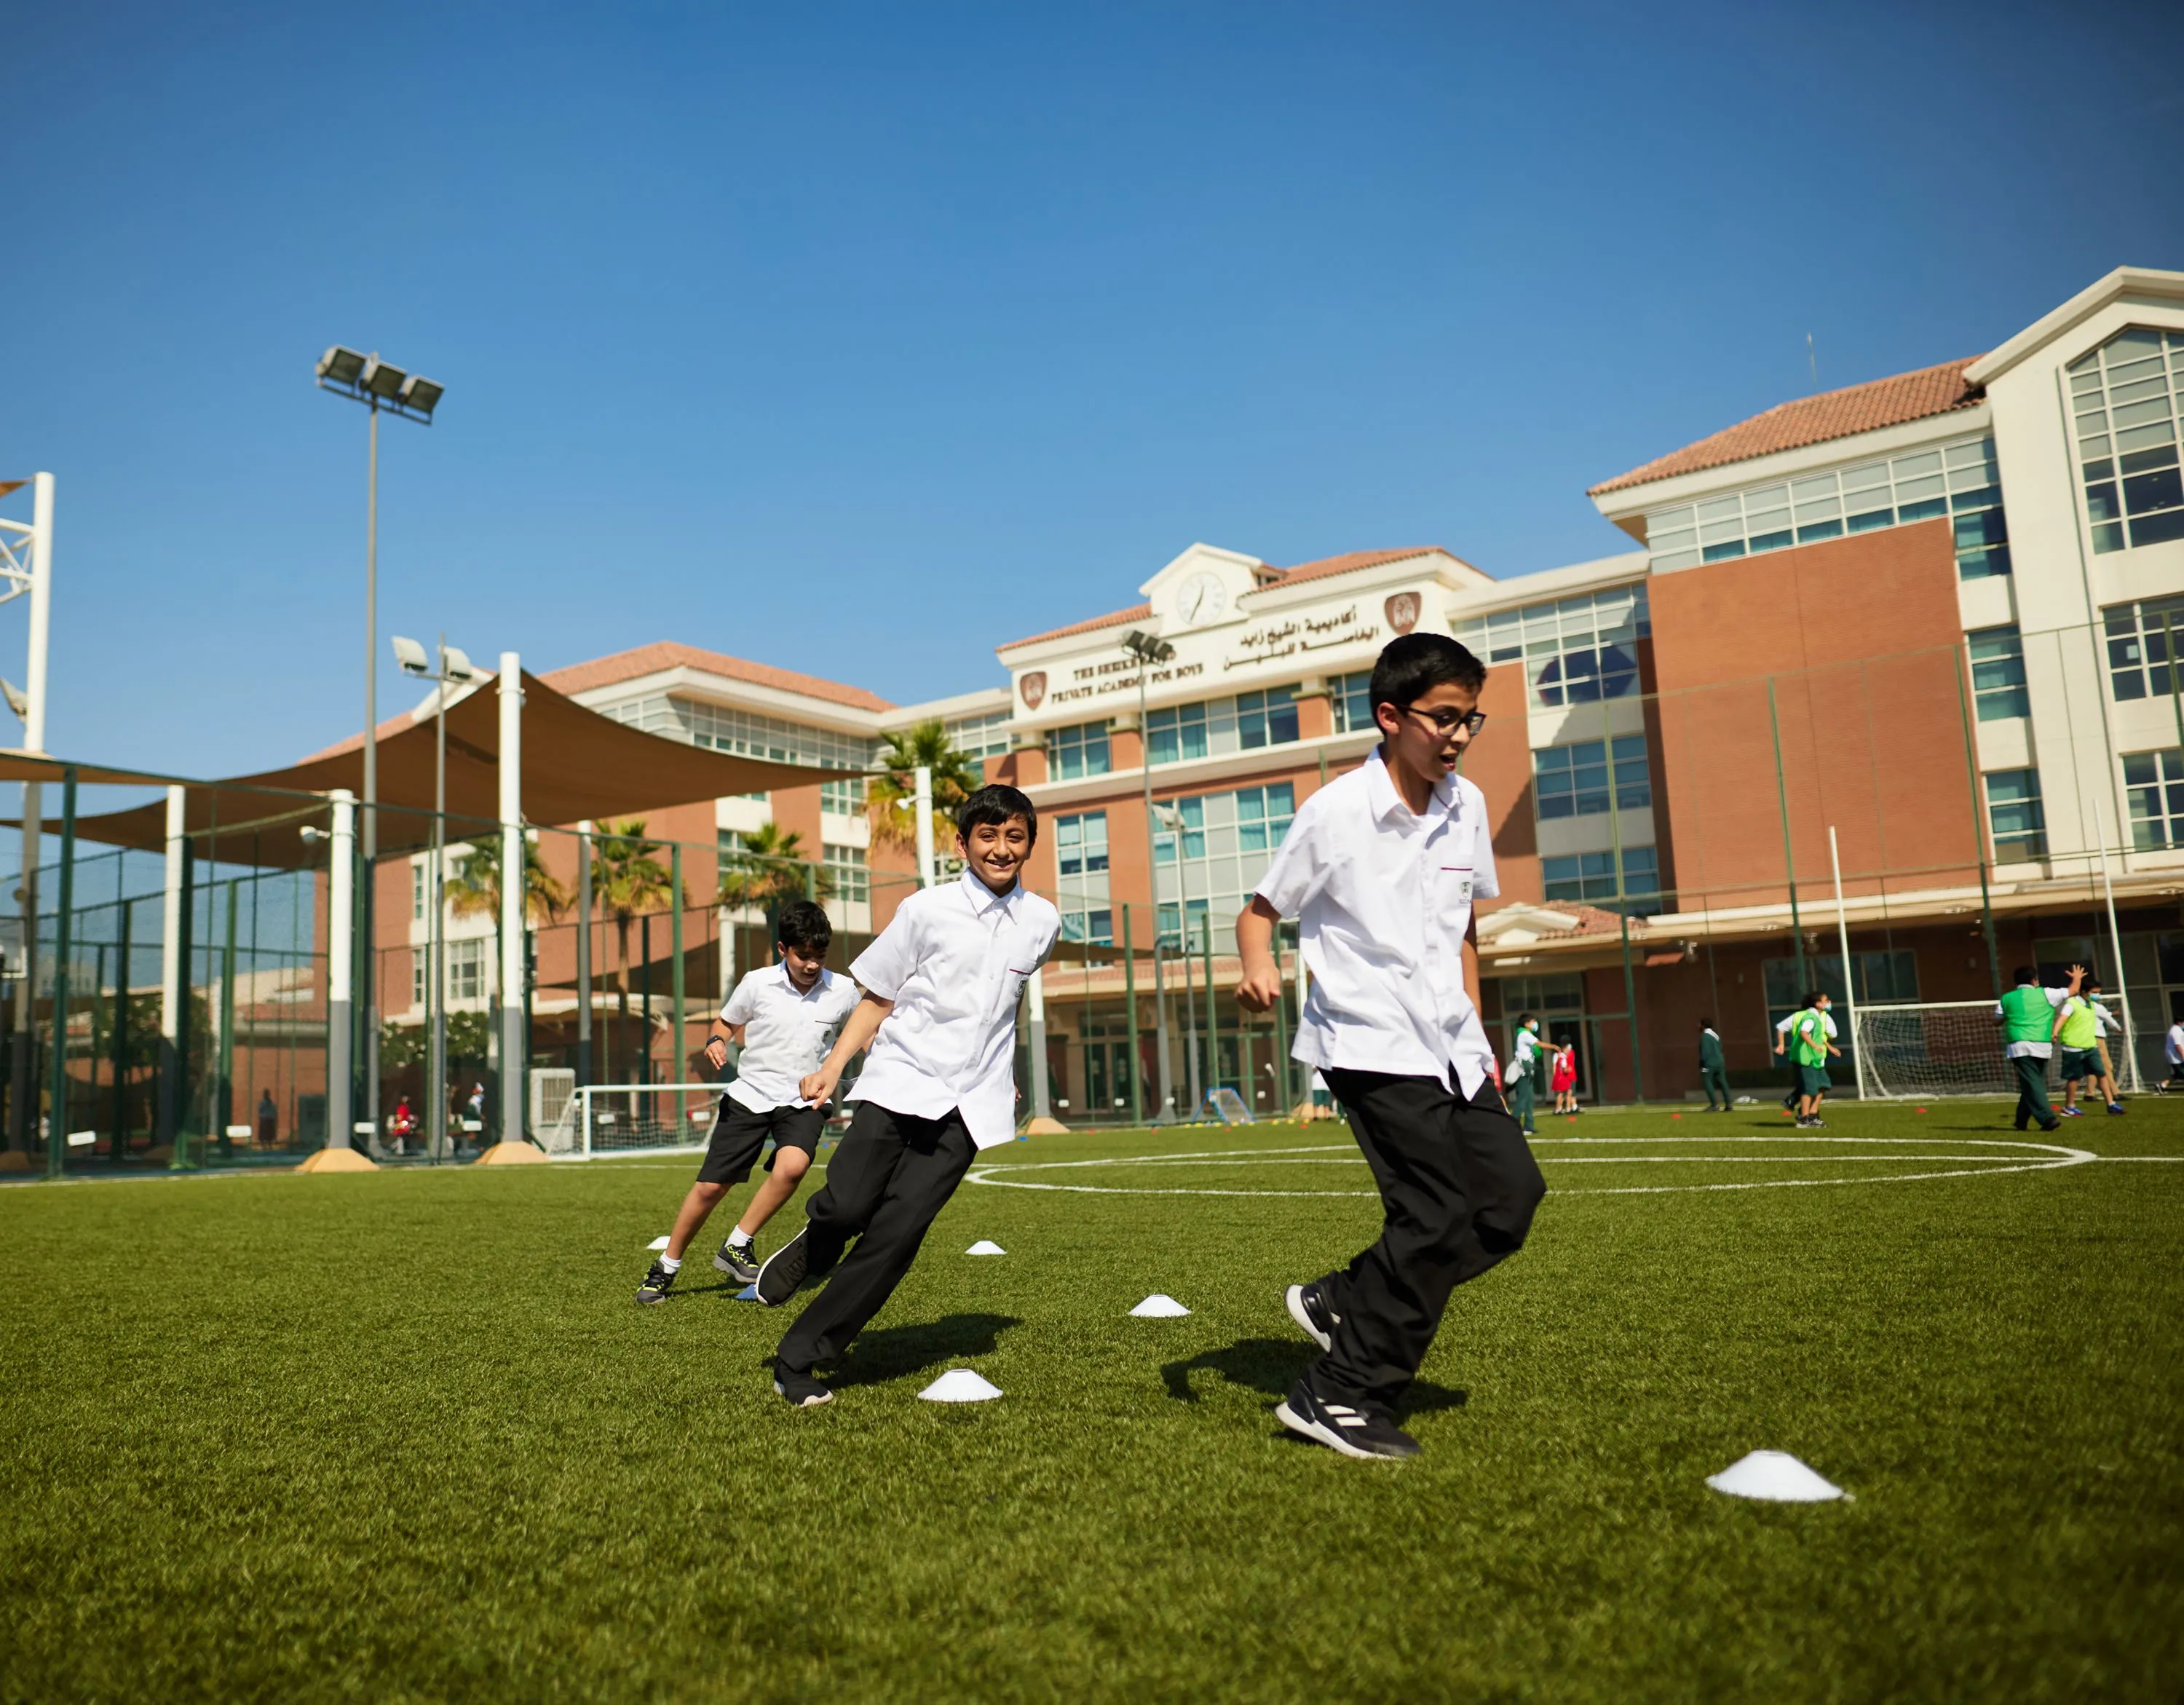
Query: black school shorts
[739, 1134]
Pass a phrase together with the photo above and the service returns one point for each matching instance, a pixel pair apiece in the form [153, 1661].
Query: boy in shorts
[941, 983]
[784, 1016]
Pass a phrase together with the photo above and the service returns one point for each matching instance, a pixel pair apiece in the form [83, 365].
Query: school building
[1907, 643]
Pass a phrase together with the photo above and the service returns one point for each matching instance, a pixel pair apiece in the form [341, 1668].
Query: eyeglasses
[1445, 722]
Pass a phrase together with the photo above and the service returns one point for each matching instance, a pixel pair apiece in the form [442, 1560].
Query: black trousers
[1459, 1187]
[2032, 1102]
[890, 1175]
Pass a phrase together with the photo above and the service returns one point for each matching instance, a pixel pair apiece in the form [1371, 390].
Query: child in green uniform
[1714, 1069]
[1524, 1072]
[1810, 1031]
[2028, 1015]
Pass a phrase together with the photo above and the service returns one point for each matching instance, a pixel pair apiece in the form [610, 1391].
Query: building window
[1961, 480]
[2153, 781]
[843, 799]
[1575, 651]
[2138, 636]
[1573, 780]
[1245, 723]
[1998, 673]
[1352, 695]
[1077, 751]
[1226, 841]
[980, 737]
[417, 874]
[1080, 843]
[1591, 877]
[853, 879]
[720, 729]
[2014, 815]
[466, 963]
[417, 976]
[2127, 396]
[1885, 974]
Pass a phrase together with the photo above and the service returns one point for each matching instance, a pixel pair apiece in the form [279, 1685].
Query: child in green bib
[1808, 1031]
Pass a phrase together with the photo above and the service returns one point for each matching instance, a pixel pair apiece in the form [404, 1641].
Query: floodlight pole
[24, 1075]
[922, 805]
[368, 959]
[436, 1076]
[167, 1113]
[340, 966]
[514, 1044]
[1139, 648]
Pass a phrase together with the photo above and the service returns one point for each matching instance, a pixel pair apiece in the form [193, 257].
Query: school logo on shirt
[1033, 688]
[1402, 612]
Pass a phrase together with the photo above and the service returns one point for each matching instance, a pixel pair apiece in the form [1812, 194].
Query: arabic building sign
[1297, 635]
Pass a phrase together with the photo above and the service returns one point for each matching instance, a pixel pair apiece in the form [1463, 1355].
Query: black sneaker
[1354, 1432]
[781, 1273]
[1309, 1309]
[802, 1390]
[739, 1261]
[656, 1284]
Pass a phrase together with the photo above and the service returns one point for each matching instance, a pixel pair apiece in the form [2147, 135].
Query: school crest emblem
[1402, 612]
[1032, 686]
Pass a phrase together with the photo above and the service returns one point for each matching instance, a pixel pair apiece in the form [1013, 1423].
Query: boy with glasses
[1381, 867]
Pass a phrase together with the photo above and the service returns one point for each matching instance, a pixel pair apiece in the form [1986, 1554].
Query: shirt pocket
[1452, 888]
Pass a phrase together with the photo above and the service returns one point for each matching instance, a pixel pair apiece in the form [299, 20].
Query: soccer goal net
[1954, 1048]
[612, 1118]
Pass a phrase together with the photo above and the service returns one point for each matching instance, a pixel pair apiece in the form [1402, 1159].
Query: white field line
[2053, 1156]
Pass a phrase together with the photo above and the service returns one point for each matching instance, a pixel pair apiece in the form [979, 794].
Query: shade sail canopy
[18, 766]
[576, 765]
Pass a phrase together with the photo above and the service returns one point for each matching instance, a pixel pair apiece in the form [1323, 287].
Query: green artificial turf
[405, 1435]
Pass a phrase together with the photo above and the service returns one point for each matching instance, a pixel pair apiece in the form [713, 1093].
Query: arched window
[2127, 396]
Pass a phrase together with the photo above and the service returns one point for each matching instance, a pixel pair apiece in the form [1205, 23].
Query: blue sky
[862, 338]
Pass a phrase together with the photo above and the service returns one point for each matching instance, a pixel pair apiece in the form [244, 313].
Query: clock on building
[1200, 599]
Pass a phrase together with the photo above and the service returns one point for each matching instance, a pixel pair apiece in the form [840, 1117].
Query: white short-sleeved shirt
[954, 961]
[2034, 1051]
[2174, 1046]
[1782, 1029]
[1383, 898]
[787, 1032]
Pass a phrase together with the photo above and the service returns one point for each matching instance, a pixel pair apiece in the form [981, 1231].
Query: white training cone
[985, 1245]
[658, 1243]
[1160, 1306]
[1776, 1476]
[960, 1385]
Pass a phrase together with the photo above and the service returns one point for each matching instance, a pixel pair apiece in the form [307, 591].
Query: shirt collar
[781, 970]
[983, 899]
[1386, 801]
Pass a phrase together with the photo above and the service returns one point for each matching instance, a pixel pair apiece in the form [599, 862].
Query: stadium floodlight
[340, 364]
[1146, 649]
[411, 656]
[383, 388]
[16, 702]
[455, 664]
[420, 393]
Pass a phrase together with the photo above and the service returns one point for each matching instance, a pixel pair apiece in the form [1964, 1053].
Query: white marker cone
[960, 1385]
[1776, 1476]
[985, 1245]
[658, 1243]
[1160, 1306]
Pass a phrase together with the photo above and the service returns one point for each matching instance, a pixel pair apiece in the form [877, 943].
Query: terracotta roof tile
[1815, 420]
[668, 653]
[1347, 564]
[1591, 920]
[1115, 618]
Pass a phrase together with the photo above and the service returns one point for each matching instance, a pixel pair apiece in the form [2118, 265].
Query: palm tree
[474, 890]
[626, 880]
[955, 777]
[768, 867]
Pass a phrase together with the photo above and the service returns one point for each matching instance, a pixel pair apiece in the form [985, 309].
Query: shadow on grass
[897, 1352]
[1271, 1365]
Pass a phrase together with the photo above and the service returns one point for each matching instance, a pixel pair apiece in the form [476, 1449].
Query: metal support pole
[436, 970]
[1212, 1016]
[2115, 946]
[515, 1046]
[675, 985]
[56, 1112]
[1130, 1006]
[167, 1124]
[1303, 990]
[367, 961]
[1631, 1007]
[1850, 973]
[340, 948]
[1041, 1106]
[118, 1040]
[1183, 952]
[24, 1075]
[1167, 1072]
[922, 808]
[223, 1091]
[1789, 858]
[1979, 834]
[1285, 1072]
[584, 953]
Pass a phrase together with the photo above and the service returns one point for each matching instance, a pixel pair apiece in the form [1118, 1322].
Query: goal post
[629, 1118]
[1918, 1050]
